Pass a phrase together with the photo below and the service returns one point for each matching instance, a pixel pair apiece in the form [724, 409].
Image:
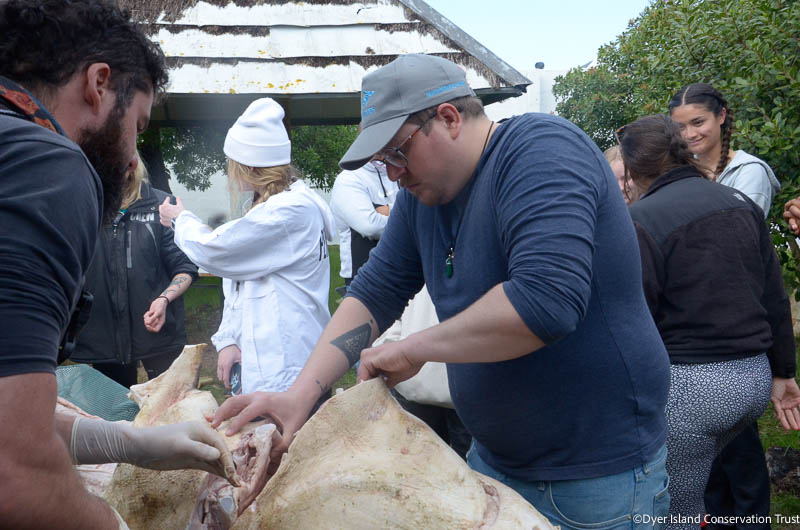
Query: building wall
[538, 98]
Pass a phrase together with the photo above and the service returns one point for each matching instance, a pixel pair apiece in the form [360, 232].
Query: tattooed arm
[154, 318]
[350, 330]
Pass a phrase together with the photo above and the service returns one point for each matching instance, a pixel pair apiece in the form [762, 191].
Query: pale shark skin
[363, 462]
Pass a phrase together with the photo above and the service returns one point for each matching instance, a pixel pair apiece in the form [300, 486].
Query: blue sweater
[542, 215]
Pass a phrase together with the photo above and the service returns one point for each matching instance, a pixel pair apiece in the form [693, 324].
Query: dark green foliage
[193, 154]
[748, 49]
[316, 150]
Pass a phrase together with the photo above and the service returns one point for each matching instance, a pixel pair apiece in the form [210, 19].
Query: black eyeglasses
[394, 155]
[619, 133]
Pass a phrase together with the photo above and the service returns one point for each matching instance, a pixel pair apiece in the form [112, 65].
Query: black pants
[739, 481]
[445, 422]
[126, 374]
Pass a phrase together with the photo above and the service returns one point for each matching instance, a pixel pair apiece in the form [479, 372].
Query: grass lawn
[773, 435]
[348, 379]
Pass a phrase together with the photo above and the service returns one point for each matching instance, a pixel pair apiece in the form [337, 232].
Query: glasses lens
[394, 158]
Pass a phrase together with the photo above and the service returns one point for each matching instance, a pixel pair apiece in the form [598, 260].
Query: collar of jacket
[20, 100]
[673, 175]
[149, 199]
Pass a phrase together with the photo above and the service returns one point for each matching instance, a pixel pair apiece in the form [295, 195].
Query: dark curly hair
[708, 96]
[45, 42]
[651, 146]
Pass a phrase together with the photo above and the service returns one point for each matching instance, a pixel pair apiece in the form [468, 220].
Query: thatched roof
[310, 55]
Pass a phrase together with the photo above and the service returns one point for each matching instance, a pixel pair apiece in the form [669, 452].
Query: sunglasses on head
[619, 133]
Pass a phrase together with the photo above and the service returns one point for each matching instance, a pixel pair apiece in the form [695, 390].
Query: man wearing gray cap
[527, 249]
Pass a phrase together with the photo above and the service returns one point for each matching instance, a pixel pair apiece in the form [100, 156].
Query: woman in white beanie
[274, 260]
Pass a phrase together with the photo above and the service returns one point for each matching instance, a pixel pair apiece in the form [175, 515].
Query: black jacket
[135, 260]
[711, 275]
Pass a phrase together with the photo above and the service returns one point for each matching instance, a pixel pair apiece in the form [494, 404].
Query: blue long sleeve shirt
[542, 215]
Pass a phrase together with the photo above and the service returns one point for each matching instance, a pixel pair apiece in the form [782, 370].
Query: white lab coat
[276, 275]
[353, 199]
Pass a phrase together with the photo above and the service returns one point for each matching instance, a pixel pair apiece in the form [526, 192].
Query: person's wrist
[305, 395]
[414, 348]
[164, 297]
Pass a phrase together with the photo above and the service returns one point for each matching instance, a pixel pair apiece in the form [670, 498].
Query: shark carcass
[149, 499]
[360, 462]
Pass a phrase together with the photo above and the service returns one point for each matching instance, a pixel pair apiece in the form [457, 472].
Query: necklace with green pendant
[451, 254]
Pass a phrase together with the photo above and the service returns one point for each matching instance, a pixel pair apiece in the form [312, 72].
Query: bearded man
[77, 81]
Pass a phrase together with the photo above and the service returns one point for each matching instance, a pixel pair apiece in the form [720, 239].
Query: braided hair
[707, 96]
[652, 146]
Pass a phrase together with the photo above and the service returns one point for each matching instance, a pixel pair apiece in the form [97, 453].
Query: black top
[711, 275]
[51, 202]
[135, 261]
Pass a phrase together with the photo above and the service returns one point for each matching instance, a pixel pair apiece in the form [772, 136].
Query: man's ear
[97, 88]
[451, 118]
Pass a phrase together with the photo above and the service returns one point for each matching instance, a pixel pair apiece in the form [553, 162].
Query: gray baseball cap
[390, 94]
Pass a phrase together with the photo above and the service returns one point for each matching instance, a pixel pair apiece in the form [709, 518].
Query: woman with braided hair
[713, 284]
[706, 123]
[739, 481]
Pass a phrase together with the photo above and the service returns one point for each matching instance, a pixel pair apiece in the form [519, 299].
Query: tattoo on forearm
[323, 389]
[352, 342]
[179, 280]
[176, 281]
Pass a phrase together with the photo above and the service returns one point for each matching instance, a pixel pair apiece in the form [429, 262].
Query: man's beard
[107, 155]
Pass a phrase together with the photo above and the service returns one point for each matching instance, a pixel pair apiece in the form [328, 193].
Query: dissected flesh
[360, 462]
[363, 462]
[172, 499]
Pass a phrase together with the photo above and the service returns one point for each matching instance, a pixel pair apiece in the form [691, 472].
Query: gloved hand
[189, 445]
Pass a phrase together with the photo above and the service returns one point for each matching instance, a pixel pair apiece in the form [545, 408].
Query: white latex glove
[189, 445]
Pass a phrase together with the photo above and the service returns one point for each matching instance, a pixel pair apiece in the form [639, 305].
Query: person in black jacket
[137, 277]
[713, 284]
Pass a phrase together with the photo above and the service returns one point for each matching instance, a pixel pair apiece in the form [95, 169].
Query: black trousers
[739, 481]
[443, 420]
[126, 374]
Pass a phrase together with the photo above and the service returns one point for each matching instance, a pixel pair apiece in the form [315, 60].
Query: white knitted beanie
[258, 138]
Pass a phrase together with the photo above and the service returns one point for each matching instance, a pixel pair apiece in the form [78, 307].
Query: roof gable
[308, 55]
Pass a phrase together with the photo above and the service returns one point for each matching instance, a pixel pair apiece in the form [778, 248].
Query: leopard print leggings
[708, 405]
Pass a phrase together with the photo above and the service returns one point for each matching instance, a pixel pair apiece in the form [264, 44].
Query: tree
[748, 49]
[317, 149]
[596, 100]
[193, 154]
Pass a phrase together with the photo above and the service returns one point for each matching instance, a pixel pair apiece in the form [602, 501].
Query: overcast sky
[561, 33]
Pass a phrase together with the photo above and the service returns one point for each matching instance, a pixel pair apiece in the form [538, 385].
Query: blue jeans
[635, 499]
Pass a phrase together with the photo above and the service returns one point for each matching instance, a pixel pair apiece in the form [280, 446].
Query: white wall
[538, 98]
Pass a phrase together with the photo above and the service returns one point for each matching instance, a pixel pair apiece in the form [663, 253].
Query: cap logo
[365, 97]
[445, 88]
